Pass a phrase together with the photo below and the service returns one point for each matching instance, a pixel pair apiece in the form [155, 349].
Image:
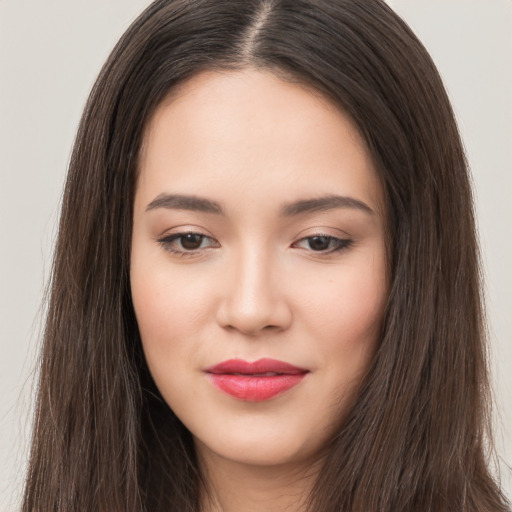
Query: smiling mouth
[257, 381]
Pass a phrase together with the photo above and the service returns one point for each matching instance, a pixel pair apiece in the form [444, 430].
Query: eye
[323, 243]
[183, 243]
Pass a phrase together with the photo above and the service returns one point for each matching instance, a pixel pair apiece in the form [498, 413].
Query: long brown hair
[417, 439]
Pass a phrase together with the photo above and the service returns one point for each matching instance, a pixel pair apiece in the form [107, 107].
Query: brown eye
[323, 244]
[191, 241]
[319, 243]
[187, 243]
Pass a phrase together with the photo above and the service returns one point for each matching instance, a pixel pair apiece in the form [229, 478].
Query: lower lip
[253, 388]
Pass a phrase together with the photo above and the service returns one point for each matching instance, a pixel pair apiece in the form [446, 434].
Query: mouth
[257, 381]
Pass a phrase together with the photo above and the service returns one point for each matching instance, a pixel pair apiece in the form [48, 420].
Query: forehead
[222, 131]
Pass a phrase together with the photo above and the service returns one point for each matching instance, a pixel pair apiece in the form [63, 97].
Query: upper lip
[259, 367]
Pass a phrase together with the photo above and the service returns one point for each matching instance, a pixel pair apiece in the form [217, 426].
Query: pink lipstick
[257, 381]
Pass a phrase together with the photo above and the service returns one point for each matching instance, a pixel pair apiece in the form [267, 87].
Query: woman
[265, 292]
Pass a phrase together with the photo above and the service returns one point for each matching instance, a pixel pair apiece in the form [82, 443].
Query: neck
[234, 486]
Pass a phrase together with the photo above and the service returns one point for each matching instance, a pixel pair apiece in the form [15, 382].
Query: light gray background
[50, 53]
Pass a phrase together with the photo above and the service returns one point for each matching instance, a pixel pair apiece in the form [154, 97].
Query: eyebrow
[324, 203]
[195, 203]
[184, 202]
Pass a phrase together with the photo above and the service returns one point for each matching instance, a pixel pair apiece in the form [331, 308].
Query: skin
[255, 284]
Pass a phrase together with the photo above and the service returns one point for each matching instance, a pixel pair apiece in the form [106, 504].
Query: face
[258, 264]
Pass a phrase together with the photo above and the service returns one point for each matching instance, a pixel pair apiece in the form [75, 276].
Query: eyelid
[183, 229]
[342, 243]
[323, 231]
[169, 237]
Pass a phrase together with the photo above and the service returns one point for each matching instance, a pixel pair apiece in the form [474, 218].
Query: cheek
[167, 300]
[344, 317]
[349, 306]
[165, 308]
[166, 324]
[154, 307]
[174, 305]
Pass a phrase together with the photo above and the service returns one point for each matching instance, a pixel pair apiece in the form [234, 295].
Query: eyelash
[167, 242]
[340, 244]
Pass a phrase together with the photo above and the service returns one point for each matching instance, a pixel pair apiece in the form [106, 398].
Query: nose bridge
[253, 281]
[253, 300]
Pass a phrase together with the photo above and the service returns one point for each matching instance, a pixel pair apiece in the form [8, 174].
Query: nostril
[255, 331]
[252, 306]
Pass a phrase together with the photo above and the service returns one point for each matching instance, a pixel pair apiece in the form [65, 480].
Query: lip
[257, 381]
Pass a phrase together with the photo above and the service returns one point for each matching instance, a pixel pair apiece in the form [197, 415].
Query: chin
[249, 449]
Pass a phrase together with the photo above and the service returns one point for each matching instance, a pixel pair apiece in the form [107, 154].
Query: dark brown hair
[417, 438]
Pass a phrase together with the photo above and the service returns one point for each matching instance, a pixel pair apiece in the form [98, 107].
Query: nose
[252, 301]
